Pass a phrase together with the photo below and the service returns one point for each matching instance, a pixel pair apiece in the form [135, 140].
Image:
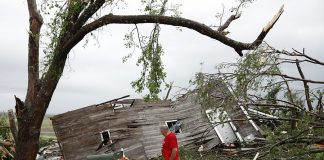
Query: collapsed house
[132, 125]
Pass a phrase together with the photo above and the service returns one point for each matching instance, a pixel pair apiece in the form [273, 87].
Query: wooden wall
[135, 128]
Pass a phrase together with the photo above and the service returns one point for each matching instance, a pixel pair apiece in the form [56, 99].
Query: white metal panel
[247, 116]
[224, 130]
[262, 114]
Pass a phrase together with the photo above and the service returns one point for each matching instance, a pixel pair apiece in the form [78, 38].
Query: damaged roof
[134, 127]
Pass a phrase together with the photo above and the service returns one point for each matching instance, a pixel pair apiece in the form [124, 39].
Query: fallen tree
[260, 80]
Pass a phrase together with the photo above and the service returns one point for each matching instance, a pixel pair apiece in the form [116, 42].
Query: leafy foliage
[6, 144]
[4, 130]
[258, 81]
[152, 74]
[247, 76]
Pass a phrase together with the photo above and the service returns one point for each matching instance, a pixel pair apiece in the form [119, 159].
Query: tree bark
[28, 138]
[28, 119]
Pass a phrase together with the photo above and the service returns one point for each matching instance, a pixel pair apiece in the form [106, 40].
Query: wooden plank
[135, 128]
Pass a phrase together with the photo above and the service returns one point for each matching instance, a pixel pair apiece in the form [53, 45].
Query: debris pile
[6, 149]
[50, 152]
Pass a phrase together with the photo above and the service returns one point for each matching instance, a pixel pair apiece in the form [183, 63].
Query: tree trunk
[30, 113]
[29, 118]
[27, 146]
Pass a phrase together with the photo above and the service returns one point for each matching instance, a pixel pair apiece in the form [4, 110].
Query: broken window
[105, 137]
[174, 126]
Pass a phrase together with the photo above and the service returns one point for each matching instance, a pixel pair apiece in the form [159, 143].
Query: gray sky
[96, 73]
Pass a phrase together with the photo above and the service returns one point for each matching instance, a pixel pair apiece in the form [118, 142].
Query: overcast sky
[95, 73]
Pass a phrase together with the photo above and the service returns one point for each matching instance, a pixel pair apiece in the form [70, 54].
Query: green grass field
[47, 131]
[47, 127]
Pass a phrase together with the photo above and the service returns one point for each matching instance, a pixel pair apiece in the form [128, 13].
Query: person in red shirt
[169, 145]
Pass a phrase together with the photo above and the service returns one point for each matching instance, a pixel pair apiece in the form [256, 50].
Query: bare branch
[256, 118]
[228, 22]
[267, 28]
[174, 21]
[231, 18]
[35, 24]
[279, 100]
[300, 54]
[306, 87]
[33, 12]
[273, 105]
[87, 13]
[169, 90]
[320, 104]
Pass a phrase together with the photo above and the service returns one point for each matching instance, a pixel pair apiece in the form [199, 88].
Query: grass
[45, 140]
[47, 123]
[47, 127]
[47, 132]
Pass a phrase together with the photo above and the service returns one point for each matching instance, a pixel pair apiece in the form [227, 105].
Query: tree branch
[33, 12]
[273, 105]
[270, 24]
[228, 22]
[320, 104]
[284, 76]
[306, 87]
[279, 100]
[255, 118]
[35, 24]
[87, 13]
[289, 138]
[169, 90]
[20, 107]
[173, 21]
[299, 54]
[73, 11]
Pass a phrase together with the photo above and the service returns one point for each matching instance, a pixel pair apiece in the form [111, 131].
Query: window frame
[109, 134]
[166, 123]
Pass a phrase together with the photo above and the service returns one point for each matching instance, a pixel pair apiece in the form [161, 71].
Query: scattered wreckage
[50, 152]
[132, 125]
[6, 149]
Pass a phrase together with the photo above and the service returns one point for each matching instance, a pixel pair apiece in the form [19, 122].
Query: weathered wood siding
[78, 131]
[195, 126]
[136, 128]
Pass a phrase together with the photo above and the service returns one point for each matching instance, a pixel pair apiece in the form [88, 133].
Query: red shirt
[169, 142]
